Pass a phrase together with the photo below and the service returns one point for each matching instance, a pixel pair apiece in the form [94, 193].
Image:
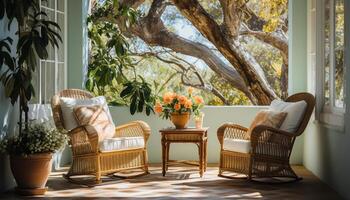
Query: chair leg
[145, 161]
[98, 170]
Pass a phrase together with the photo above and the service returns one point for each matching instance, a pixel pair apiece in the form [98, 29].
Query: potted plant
[179, 107]
[35, 34]
[33, 149]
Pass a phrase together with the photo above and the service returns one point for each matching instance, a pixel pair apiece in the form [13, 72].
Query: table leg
[201, 159]
[167, 155]
[205, 155]
[163, 155]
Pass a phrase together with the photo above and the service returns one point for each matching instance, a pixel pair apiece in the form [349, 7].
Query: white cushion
[120, 143]
[68, 104]
[295, 111]
[237, 145]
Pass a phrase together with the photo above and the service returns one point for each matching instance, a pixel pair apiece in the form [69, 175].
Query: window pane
[327, 48]
[48, 3]
[35, 82]
[60, 77]
[47, 81]
[43, 81]
[339, 53]
[50, 81]
[60, 5]
[60, 21]
[50, 49]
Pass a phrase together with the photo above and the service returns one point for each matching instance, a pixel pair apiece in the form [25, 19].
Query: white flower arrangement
[39, 138]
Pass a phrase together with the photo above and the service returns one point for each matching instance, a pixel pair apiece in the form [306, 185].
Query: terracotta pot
[31, 172]
[180, 120]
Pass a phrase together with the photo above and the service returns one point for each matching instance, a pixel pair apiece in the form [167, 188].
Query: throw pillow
[68, 104]
[268, 118]
[295, 114]
[97, 118]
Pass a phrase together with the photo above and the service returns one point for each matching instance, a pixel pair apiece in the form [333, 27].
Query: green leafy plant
[5, 53]
[38, 138]
[140, 95]
[110, 57]
[35, 34]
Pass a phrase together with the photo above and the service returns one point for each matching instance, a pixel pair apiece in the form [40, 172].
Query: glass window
[334, 54]
[330, 58]
[51, 75]
[339, 54]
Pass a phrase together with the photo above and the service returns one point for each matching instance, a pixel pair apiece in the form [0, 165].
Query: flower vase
[180, 120]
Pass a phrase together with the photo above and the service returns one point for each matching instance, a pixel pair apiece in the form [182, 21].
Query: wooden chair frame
[87, 157]
[270, 148]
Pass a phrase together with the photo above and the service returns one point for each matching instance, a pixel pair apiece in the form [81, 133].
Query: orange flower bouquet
[179, 107]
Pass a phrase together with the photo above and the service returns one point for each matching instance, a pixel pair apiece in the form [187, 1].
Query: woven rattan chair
[87, 158]
[268, 158]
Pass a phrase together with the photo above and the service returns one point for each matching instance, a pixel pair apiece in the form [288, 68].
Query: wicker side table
[188, 135]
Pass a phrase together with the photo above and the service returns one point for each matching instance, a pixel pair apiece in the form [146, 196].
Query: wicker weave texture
[87, 157]
[270, 148]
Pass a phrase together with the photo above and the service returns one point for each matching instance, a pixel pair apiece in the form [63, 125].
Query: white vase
[198, 120]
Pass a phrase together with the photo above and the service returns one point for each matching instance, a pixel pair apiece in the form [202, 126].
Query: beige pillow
[268, 118]
[68, 104]
[97, 117]
[295, 112]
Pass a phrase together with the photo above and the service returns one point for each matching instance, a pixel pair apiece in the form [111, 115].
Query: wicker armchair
[87, 157]
[270, 148]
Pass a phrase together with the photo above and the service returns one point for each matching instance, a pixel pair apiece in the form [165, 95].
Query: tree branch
[184, 74]
[233, 51]
[157, 9]
[232, 17]
[277, 41]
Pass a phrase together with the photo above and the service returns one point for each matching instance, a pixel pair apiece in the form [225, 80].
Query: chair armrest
[271, 142]
[84, 140]
[233, 131]
[133, 129]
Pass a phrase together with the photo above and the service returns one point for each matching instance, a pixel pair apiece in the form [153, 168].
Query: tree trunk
[245, 64]
[245, 74]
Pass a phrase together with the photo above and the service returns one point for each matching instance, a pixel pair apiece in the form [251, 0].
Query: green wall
[76, 42]
[326, 150]
[297, 59]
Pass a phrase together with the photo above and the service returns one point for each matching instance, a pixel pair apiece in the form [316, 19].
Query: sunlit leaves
[271, 11]
[140, 95]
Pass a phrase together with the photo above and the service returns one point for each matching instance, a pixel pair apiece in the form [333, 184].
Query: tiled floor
[185, 183]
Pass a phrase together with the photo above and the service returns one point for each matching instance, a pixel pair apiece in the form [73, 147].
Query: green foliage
[35, 34]
[270, 60]
[234, 96]
[18, 9]
[140, 95]
[5, 53]
[271, 11]
[38, 138]
[110, 58]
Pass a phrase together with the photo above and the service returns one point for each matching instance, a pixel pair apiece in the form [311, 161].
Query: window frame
[330, 115]
[40, 91]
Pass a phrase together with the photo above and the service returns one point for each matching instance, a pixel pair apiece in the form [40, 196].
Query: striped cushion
[97, 117]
